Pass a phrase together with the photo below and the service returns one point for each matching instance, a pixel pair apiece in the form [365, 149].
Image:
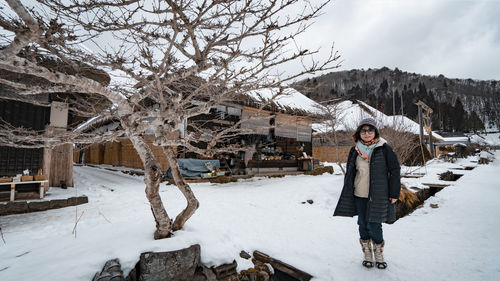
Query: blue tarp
[194, 167]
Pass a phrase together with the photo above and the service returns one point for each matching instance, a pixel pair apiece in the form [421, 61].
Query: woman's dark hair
[357, 134]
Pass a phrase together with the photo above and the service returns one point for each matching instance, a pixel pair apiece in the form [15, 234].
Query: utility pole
[393, 106]
[401, 95]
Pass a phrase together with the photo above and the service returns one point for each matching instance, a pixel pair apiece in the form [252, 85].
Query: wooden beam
[424, 106]
[283, 267]
[436, 185]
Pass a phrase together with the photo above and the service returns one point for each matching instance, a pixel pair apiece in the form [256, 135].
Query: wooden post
[402, 112]
[59, 166]
[12, 192]
[41, 190]
[430, 142]
[393, 109]
[47, 157]
[421, 123]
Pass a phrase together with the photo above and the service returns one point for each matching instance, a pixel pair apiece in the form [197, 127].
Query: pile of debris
[184, 265]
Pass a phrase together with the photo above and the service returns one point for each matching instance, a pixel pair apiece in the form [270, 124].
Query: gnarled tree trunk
[192, 202]
[152, 178]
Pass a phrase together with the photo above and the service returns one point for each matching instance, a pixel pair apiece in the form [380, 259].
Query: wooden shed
[275, 139]
[55, 163]
[47, 113]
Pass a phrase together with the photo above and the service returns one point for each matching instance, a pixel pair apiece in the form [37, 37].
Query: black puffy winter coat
[385, 183]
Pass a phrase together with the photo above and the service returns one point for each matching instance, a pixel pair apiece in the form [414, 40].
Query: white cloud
[459, 39]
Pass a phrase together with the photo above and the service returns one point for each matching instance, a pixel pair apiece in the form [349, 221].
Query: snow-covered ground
[456, 241]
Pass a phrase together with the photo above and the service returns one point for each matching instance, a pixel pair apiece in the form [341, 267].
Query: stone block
[169, 266]
[4, 209]
[73, 201]
[204, 273]
[82, 200]
[17, 207]
[37, 206]
[132, 275]
[58, 203]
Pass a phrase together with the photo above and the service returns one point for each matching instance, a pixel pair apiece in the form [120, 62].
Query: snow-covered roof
[290, 98]
[349, 114]
[492, 139]
[486, 139]
[456, 139]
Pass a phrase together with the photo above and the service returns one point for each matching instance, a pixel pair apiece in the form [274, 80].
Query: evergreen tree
[475, 122]
[384, 86]
[459, 116]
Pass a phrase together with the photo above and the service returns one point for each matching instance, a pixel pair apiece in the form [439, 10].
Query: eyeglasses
[363, 131]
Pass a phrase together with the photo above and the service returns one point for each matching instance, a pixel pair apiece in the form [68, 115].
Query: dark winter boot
[378, 250]
[366, 247]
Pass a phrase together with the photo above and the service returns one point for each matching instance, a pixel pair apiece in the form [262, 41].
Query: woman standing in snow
[371, 188]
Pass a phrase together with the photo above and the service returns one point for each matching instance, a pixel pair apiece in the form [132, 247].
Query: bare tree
[175, 60]
[403, 140]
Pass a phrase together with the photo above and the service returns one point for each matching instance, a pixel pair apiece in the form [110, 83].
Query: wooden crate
[5, 179]
[40, 177]
[26, 178]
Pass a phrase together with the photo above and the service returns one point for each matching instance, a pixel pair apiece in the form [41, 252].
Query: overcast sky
[459, 39]
[456, 38]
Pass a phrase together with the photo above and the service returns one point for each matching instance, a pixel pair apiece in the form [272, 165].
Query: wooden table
[13, 187]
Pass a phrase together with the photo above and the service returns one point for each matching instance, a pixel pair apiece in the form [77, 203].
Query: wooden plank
[22, 182]
[411, 176]
[283, 267]
[436, 185]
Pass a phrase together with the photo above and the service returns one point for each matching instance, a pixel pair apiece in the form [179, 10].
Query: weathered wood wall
[14, 160]
[61, 166]
[286, 126]
[121, 153]
[304, 129]
[255, 120]
[329, 153]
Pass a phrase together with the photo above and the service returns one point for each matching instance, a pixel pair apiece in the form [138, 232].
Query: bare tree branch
[171, 62]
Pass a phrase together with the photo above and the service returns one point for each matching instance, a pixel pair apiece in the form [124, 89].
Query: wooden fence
[329, 153]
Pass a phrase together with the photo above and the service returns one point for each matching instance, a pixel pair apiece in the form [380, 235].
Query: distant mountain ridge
[459, 104]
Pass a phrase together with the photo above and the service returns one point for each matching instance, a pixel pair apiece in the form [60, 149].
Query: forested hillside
[460, 105]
